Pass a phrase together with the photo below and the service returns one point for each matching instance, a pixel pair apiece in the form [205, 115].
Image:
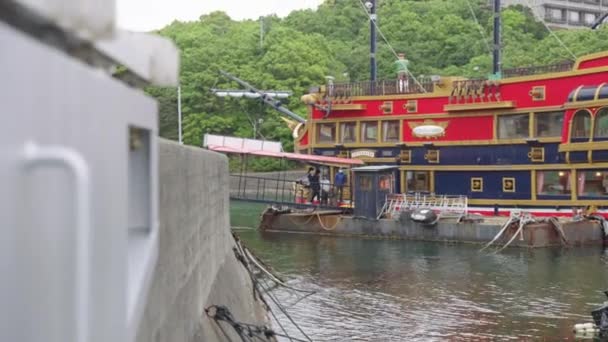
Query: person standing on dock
[315, 186]
[402, 66]
[339, 182]
[325, 189]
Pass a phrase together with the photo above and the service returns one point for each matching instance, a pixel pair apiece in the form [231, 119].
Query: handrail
[380, 87]
[539, 69]
[36, 156]
[287, 191]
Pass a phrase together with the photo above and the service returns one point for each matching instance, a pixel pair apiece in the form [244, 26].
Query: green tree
[298, 51]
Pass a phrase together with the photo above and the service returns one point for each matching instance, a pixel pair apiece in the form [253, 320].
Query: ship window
[326, 133]
[385, 182]
[548, 124]
[581, 125]
[418, 181]
[593, 183]
[390, 131]
[369, 131]
[553, 182]
[513, 126]
[348, 132]
[365, 182]
[601, 124]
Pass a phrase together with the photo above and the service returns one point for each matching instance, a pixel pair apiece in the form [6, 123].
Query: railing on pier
[446, 206]
[381, 87]
[541, 69]
[282, 191]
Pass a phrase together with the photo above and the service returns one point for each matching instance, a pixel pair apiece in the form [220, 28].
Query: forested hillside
[297, 52]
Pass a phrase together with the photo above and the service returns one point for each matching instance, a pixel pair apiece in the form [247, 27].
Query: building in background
[564, 13]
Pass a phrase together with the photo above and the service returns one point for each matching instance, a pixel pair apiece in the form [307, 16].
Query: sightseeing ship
[536, 138]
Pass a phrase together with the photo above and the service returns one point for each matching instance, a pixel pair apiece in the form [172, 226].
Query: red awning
[309, 158]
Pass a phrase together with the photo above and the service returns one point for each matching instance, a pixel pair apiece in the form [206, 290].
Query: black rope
[284, 311]
[257, 293]
[246, 331]
[221, 313]
[240, 254]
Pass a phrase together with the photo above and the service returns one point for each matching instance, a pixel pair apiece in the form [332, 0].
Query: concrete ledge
[196, 265]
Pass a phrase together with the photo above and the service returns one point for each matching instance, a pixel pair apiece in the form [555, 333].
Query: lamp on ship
[532, 142]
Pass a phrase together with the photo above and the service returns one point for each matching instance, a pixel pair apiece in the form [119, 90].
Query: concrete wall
[196, 266]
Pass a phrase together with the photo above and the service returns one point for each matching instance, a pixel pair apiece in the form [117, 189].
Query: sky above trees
[147, 15]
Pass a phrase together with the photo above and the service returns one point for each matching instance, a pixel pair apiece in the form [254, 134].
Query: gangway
[281, 189]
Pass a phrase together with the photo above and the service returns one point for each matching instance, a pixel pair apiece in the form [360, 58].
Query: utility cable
[388, 44]
[533, 8]
[481, 30]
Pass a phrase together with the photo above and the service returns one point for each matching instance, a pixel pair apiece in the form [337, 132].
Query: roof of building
[270, 149]
[374, 168]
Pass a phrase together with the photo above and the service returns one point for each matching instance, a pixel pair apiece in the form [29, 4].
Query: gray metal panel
[55, 101]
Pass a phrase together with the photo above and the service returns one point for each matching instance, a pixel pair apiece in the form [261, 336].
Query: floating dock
[543, 234]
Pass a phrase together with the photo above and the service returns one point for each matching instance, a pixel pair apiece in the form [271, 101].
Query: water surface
[388, 290]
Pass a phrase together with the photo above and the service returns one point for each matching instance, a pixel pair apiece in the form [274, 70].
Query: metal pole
[261, 32]
[496, 66]
[372, 37]
[179, 114]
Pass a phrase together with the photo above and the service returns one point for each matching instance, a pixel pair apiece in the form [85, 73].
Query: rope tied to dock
[300, 224]
[337, 218]
[523, 219]
[246, 331]
[249, 261]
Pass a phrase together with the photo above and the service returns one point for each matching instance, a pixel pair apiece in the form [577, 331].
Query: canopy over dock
[262, 148]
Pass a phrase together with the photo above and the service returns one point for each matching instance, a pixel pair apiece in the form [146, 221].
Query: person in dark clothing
[315, 186]
[339, 182]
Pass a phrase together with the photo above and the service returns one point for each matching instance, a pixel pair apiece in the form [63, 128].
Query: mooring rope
[257, 293]
[522, 224]
[284, 311]
[301, 224]
[504, 228]
[338, 219]
[246, 331]
[247, 258]
[253, 259]
[558, 227]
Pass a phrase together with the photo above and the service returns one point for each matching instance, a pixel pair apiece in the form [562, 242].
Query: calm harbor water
[385, 290]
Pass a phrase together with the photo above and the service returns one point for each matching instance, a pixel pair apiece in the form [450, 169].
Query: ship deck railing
[422, 85]
[381, 87]
[540, 69]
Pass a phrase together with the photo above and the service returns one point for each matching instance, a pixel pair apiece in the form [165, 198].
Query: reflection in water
[377, 290]
[391, 290]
